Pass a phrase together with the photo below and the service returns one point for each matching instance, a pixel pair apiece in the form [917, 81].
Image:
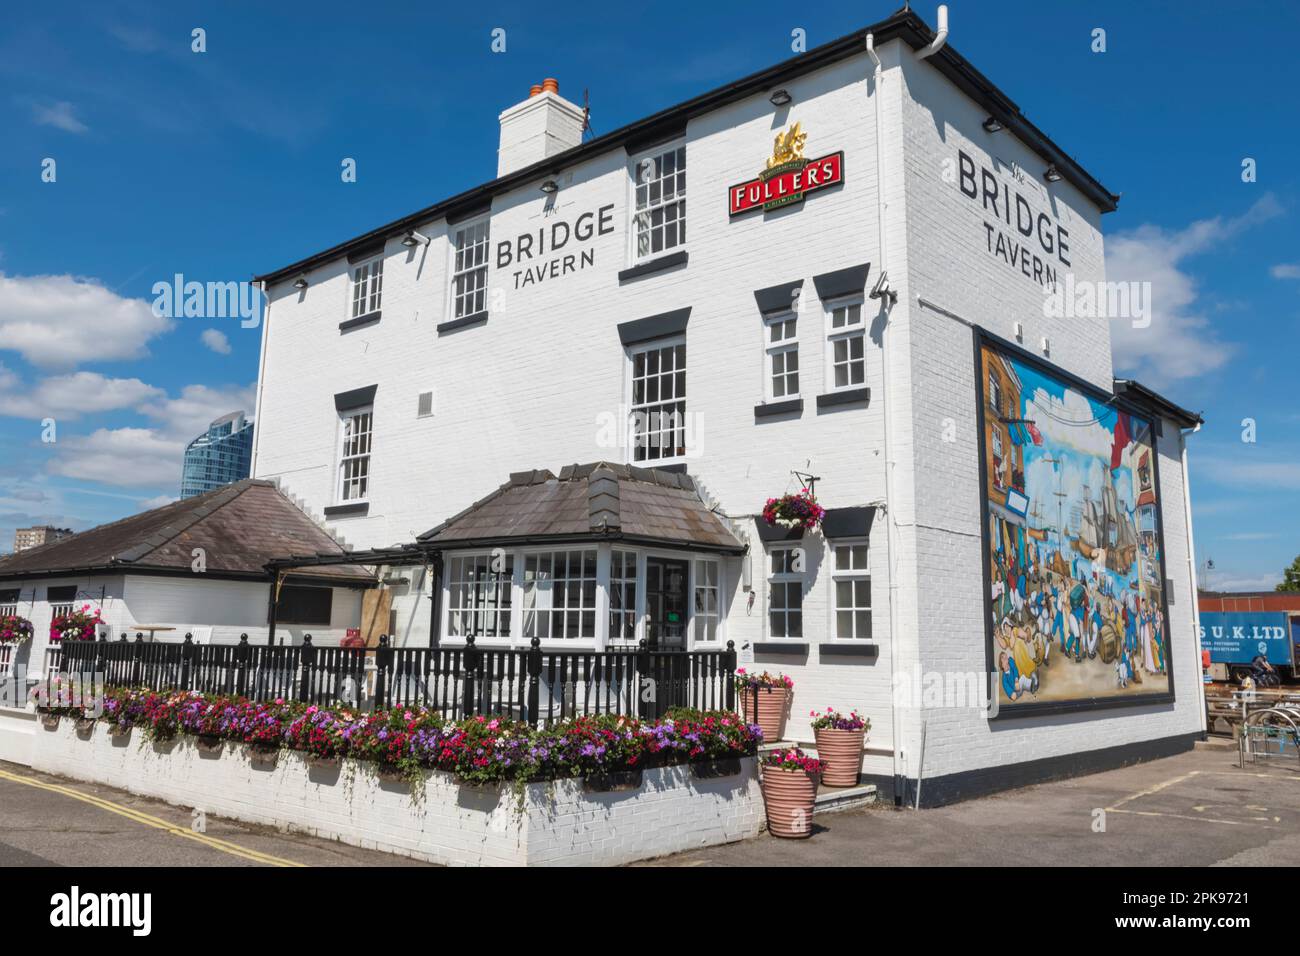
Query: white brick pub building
[541, 320]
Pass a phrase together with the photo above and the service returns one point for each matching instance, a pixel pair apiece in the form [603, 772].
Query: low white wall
[450, 823]
[17, 735]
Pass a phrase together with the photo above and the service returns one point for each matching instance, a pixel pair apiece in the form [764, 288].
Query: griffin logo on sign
[788, 147]
[788, 176]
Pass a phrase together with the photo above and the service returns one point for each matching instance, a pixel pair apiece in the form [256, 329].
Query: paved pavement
[1195, 809]
[51, 821]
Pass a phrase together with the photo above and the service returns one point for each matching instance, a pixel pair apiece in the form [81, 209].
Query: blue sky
[226, 163]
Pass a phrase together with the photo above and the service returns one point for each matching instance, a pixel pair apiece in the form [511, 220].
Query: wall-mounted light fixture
[780, 98]
[993, 125]
[300, 283]
[413, 239]
[550, 187]
[1052, 174]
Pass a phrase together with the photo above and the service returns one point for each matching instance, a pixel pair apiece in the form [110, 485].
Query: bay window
[560, 595]
[479, 595]
[707, 596]
[622, 597]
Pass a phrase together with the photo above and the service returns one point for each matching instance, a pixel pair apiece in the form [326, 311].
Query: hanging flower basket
[789, 785]
[794, 511]
[15, 630]
[85, 725]
[50, 721]
[839, 745]
[209, 743]
[76, 626]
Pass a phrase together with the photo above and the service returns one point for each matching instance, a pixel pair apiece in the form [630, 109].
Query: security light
[1052, 174]
[300, 283]
[413, 239]
[993, 125]
[780, 98]
[550, 187]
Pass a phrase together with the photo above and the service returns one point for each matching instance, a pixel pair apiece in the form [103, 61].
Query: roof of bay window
[904, 25]
[593, 502]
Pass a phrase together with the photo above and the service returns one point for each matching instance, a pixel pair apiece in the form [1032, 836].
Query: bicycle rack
[1270, 732]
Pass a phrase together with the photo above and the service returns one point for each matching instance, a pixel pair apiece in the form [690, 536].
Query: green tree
[1291, 577]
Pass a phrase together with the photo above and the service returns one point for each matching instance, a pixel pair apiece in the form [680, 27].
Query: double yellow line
[151, 821]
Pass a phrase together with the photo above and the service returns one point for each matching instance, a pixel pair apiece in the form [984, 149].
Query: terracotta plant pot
[788, 797]
[772, 702]
[842, 751]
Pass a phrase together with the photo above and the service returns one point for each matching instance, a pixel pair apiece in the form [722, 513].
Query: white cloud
[148, 504]
[63, 321]
[216, 340]
[131, 457]
[1179, 343]
[61, 115]
[142, 457]
[1069, 421]
[71, 396]
[1285, 270]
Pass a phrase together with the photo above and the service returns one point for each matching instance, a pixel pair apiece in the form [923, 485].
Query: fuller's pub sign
[788, 176]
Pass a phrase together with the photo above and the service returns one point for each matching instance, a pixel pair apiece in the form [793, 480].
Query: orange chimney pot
[534, 90]
[551, 85]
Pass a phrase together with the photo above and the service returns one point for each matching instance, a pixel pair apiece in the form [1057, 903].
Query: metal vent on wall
[425, 408]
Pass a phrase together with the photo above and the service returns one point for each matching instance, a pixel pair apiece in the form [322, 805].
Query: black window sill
[845, 649]
[669, 261]
[348, 511]
[789, 648]
[770, 533]
[478, 318]
[359, 321]
[770, 409]
[850, 396]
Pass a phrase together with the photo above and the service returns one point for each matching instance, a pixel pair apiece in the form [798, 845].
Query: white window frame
[455, 298]
[366, 277]
[699, 582]
[506, 585]
[783, 346]
[639, 170]
[784, 578]
[346, 415]
[847, 333]
[619, 558]
[851, 575]
[633, 407]
[544, 597]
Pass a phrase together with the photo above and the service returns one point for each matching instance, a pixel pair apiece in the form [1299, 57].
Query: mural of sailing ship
[1076, 596]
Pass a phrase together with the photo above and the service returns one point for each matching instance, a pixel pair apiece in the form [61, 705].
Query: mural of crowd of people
[1076, 582]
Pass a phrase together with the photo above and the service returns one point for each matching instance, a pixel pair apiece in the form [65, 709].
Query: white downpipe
[891, 537]
[1191, 573]
[940, 36]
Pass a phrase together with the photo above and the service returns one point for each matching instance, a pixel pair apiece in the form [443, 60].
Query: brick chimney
[541, 126]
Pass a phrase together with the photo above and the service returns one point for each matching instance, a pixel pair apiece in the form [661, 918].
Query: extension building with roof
[195, 566]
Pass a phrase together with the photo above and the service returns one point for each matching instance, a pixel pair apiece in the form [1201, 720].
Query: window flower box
[718, 767]
[613, 781]
[209, 743]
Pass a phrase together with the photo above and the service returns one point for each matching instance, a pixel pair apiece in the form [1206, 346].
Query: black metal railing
[533, 685]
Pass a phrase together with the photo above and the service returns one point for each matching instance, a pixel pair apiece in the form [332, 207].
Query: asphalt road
[1195, 809]
[50, 821]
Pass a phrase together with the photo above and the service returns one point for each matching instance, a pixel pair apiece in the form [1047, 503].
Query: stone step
[834, 799]
[1216, 743]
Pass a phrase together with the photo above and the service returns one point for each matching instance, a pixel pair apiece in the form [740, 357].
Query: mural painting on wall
[1075, 580]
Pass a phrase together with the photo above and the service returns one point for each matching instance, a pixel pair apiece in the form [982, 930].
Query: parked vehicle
[1261, 644]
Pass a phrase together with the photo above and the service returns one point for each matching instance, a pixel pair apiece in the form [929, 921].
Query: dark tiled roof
[240, 527]
[599, 500]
